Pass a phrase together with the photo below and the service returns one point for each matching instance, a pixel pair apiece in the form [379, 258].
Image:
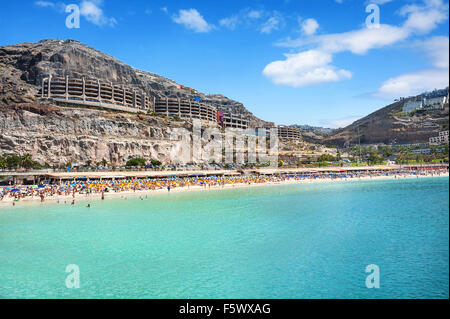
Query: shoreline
[8, 202]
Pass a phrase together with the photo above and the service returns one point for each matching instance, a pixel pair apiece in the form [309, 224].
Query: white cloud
[305, 68]
[230, 22]
[363, 40]
[271, 24]
[93, 13]
[261, 20]
[423, 19]
[255, 14]
[44, 4]
[192, 20]
[413, 83]
[357, 41]
[164, 9]
[418, 20]
[437, 49]
[309, 26]
[379, 2]
[274, 22]
[89, 9]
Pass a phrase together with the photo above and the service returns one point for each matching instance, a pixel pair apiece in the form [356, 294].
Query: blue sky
[291, 61]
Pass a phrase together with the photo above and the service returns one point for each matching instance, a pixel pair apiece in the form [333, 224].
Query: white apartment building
[435, 103]
[412, 106]
[441, 139]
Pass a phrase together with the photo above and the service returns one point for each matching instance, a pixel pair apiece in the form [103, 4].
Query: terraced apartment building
[289, 133]
[186, 109]
[98, 93]
[94, 92]
[233, 121]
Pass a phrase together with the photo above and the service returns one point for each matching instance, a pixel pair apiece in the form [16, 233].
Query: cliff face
[56, 135]
[388, 125]
[23, 66]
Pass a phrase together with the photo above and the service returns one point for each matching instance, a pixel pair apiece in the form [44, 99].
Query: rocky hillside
[56, 135]
[389, 125]
[23, 66]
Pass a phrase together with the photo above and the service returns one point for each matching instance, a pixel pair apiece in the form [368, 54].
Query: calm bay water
[301, 241]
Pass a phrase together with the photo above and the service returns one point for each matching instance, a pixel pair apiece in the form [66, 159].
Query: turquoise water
[302, 241]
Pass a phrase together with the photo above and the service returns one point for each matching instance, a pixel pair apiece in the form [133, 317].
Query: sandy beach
[6, 202]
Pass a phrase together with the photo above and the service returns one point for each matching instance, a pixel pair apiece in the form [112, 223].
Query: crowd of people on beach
[73, 188]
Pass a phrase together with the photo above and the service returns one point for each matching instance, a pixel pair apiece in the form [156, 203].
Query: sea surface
[287, 241]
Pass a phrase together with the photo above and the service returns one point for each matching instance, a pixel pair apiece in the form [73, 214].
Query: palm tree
[27, 161]
[3, 163]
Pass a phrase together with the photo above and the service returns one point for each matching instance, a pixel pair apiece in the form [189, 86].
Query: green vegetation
[374, 159]
[141, 162]
[418, 112]
[15, 162]
[401, 154]
[326, 158]
[135, 162]
[155, 163]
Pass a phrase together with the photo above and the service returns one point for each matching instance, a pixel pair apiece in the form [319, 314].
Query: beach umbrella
[15, 190]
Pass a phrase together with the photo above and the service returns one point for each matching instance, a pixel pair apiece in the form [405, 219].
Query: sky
[323, 63]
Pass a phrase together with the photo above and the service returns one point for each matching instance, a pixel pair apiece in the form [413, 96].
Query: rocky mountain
[23, 66]
[390, 125]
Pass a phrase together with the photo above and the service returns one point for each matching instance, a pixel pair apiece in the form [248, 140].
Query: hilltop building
[434, 100]
[413, 105]
[435, 103]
